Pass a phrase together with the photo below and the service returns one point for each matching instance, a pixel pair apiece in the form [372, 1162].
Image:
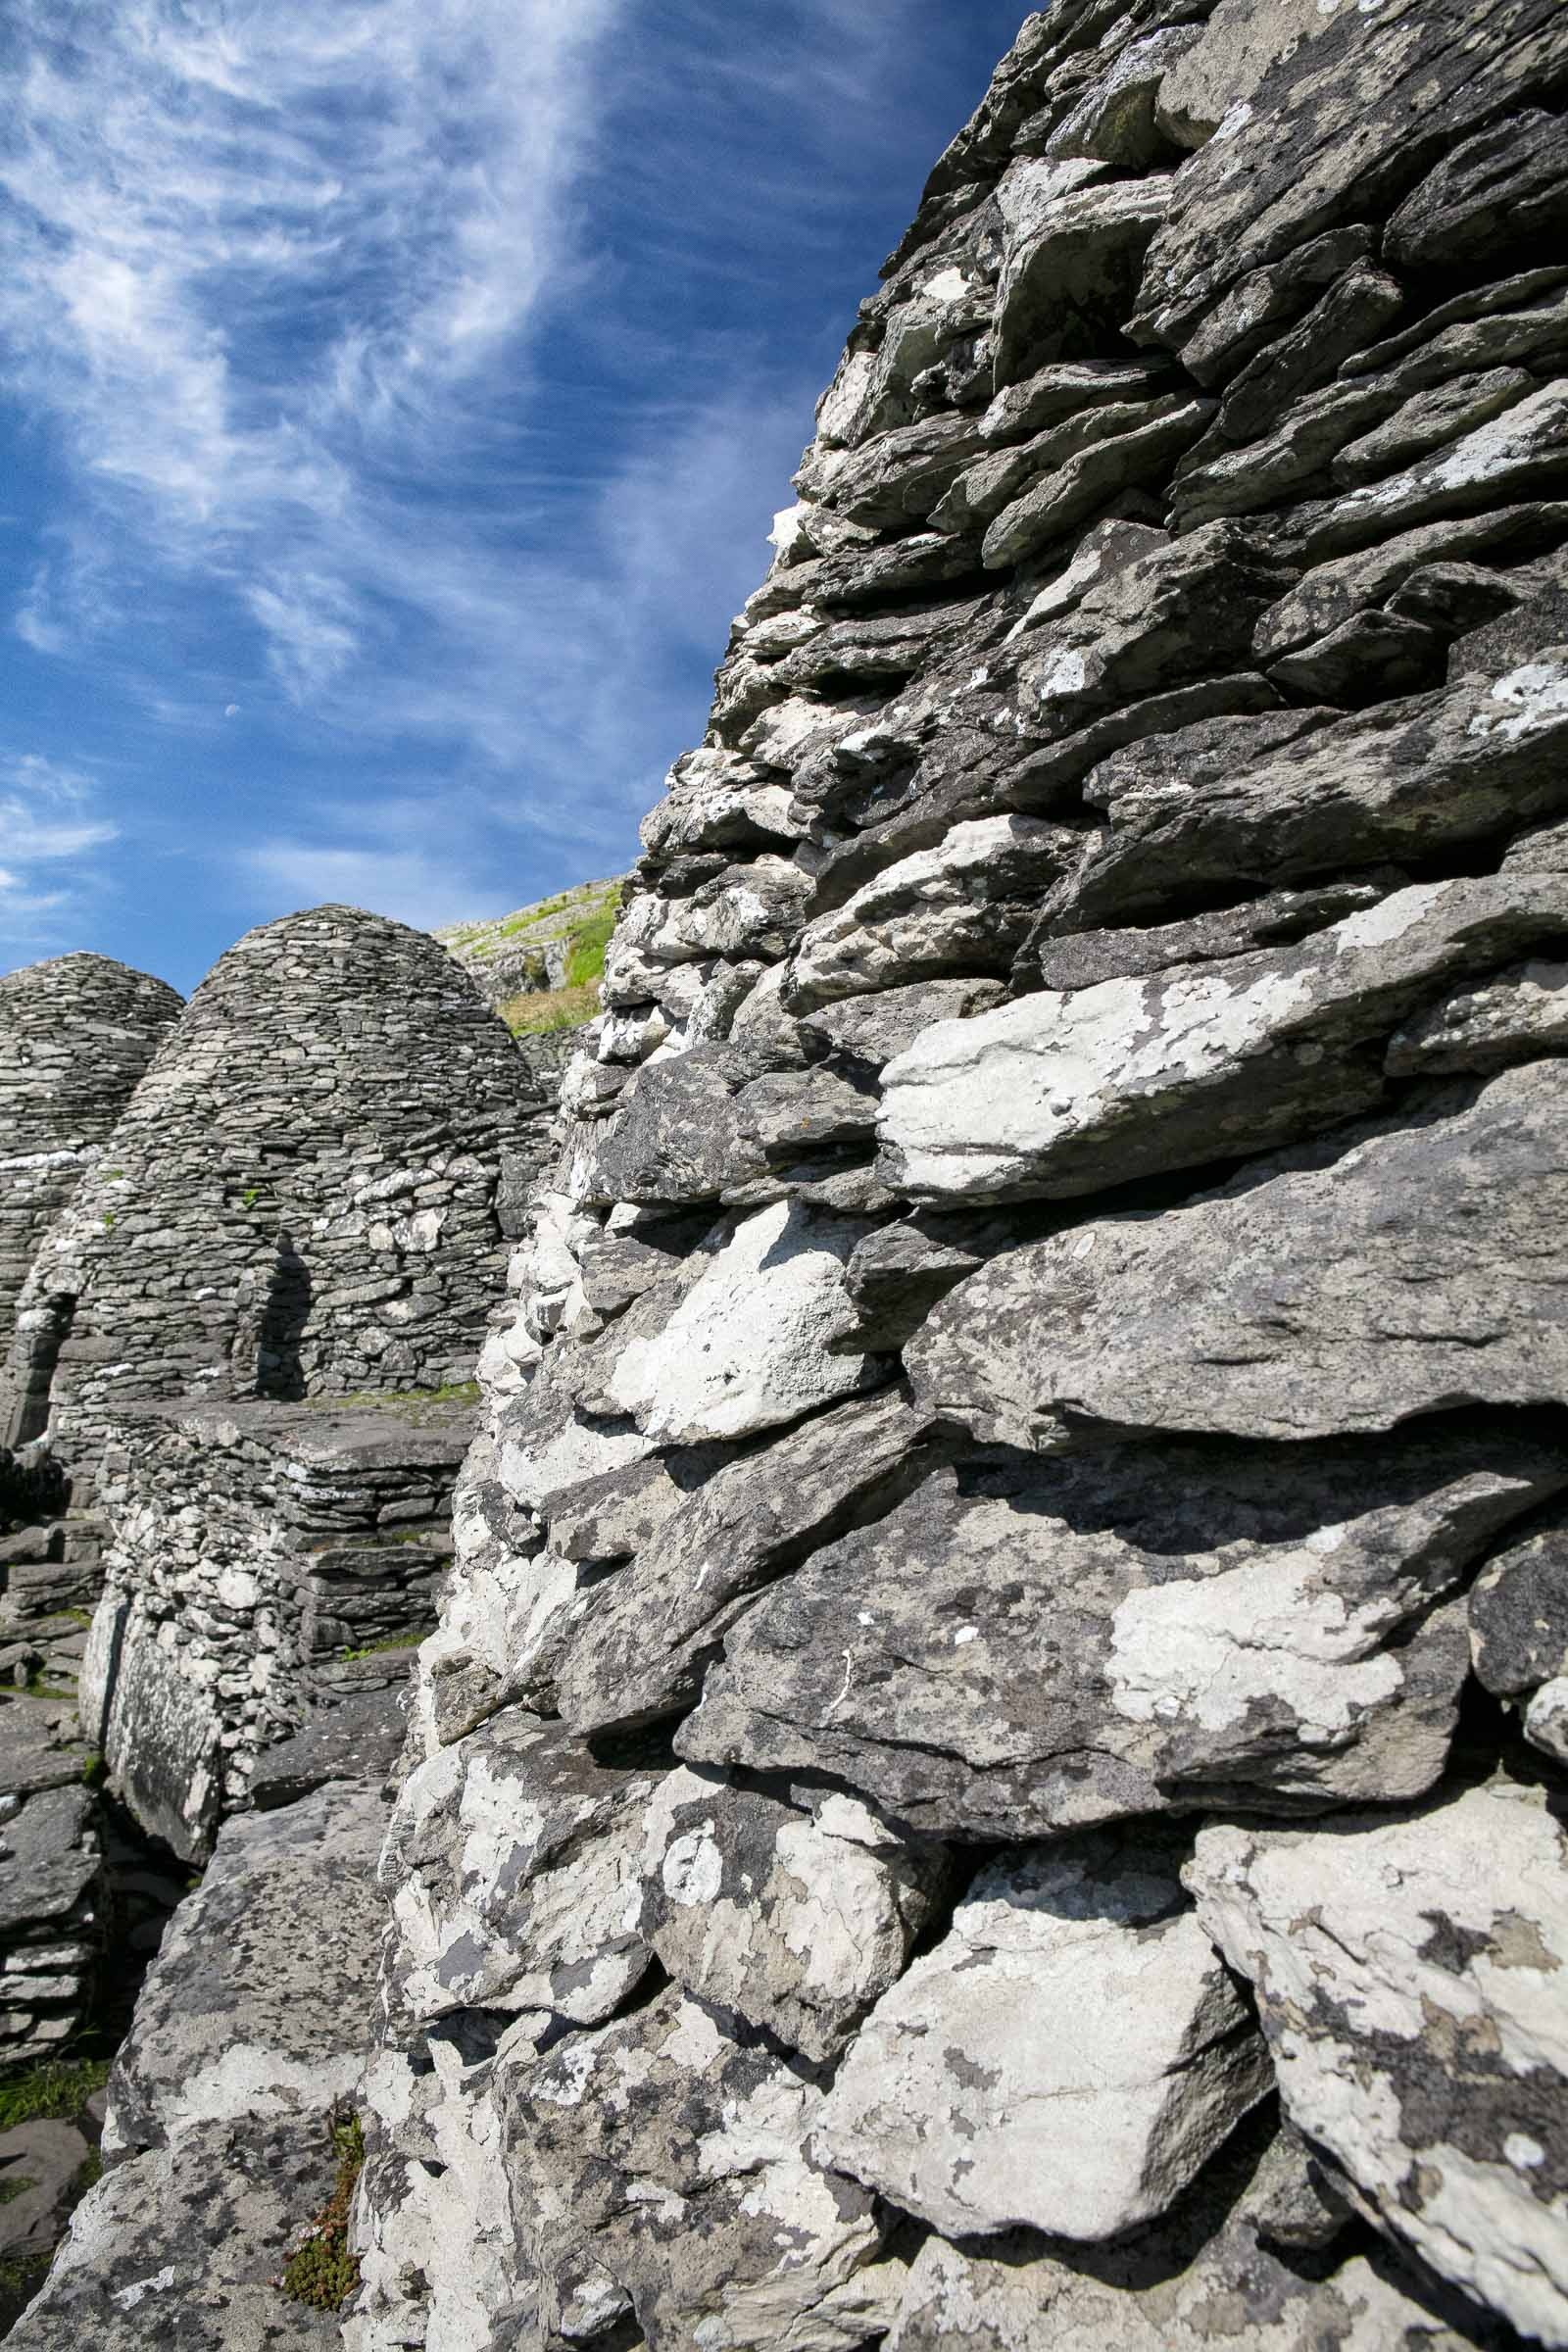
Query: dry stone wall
[992, 1770]
[75, 1035]
[253, 1544]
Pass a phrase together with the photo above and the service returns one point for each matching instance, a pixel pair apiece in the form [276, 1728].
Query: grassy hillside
[540, 967]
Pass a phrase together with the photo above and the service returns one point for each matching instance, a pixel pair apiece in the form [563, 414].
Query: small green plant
[94, 1772]
[321, 2272]
[14, 2186]
[250, 1196]
[376, 1650]
[108, 1220]
[55, 2089]
[21, 2278]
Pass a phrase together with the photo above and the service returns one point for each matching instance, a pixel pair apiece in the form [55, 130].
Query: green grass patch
[321, 2273]
[541, 1011]
[585, 965]
[379, 1650]
[21, 2278]
[56, 2089]
[411, 1401]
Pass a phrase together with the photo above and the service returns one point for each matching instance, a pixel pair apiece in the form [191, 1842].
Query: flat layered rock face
[990, 1769]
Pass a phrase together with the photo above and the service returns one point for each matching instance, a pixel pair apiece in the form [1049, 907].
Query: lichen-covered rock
[637, 1646]
[797, 1921]
[662, 2169]
[439, 2255]
[1199, 810]
[1398, 1270]
[1113, 1633]
[1049, 1092]
[514, 1866]
[1410, 1979]
[183, 2246]
[1026, 2297]
[242, 2016]
[1067, 2058]
[746, 1350]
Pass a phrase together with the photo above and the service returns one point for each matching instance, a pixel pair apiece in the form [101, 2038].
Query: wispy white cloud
[49, 829]
[250, 255]
[416, 885]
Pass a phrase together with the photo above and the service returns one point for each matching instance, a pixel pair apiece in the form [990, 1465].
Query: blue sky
[394, 396]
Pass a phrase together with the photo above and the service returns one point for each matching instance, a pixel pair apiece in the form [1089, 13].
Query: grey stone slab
[1056, 1094]
[357, 1739]
[640, 1642]
[1067, 2057]
[1220, 807]
[511, 1866]
[1020, 1648]
[795, 1920]
[241, 2016]
[1409, 1974]
[709, 2137]
[1404, 1268]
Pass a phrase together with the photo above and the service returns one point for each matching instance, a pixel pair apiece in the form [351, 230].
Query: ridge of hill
[540, 965]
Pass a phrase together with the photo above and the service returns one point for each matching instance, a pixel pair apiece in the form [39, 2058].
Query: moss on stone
[321, 2272]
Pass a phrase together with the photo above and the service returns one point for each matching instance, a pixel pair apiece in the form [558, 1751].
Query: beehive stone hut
[993, 1767]
[77, 1035]
[302, 1200]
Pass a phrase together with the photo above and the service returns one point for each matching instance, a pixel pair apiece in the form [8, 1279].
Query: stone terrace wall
[252, 1544]
[1009, 1609]
[303, 1198]
[75, 1035]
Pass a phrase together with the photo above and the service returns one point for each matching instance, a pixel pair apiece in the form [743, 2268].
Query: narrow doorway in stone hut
[35, 1361]
[267, 1357]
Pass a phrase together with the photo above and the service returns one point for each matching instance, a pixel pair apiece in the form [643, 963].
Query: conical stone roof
[77, 1033]
[302, 1198]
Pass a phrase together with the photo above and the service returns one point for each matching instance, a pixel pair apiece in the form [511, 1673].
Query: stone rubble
[989, 1771]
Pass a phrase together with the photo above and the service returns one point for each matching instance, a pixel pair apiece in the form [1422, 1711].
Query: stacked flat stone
[52, 1892]
[1036, 1393]
[302, 1198]
[75, 1035]
[253, 1543]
